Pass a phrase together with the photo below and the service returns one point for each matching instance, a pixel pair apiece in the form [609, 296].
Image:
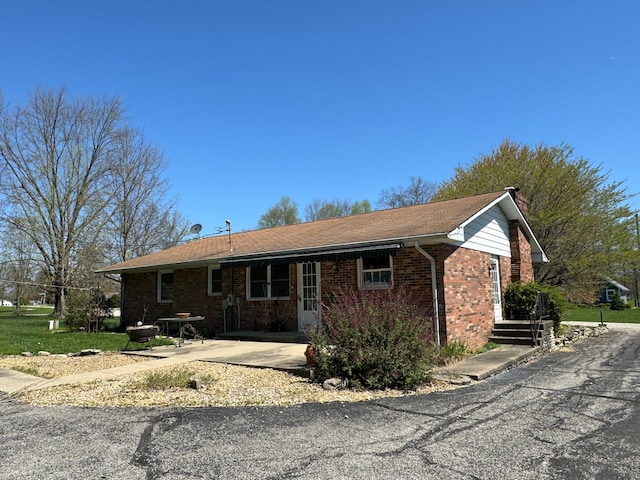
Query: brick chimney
[521, 202]
[521, 266]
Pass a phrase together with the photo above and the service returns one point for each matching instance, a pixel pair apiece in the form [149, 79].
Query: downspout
[434, 291]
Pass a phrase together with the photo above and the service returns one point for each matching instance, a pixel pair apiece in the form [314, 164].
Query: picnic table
[184, 323]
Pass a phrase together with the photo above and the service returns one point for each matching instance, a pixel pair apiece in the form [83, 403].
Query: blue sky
[252, 100]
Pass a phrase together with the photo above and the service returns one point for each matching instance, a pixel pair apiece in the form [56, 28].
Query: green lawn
[628, 315]
[30, 333]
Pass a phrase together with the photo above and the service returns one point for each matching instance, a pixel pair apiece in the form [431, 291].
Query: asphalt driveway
[568, 414]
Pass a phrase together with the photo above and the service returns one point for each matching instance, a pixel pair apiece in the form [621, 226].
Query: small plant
[487, 347]
[376, 339]
[28, 370]
[454, 351]
[166, 379]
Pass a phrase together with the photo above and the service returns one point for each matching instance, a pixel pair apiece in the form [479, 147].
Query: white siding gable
[488, 232]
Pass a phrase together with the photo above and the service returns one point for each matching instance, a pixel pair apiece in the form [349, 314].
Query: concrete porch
[260, 336]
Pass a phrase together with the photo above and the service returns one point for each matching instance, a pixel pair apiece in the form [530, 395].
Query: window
[268, 281]
[165, 286]
[375, 272]
[611, 292]
[215, 280]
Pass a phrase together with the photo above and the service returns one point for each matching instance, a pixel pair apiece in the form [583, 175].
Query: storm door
[497, 294]
[308, 296]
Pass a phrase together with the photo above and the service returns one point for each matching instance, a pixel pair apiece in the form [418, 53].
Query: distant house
[456, 255]
[608, 290]
[6, 303]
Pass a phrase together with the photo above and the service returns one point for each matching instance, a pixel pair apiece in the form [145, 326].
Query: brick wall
[468, 293]
[464, 293]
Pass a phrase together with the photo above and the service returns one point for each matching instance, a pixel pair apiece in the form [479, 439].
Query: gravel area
[55, 366]
[222, 385]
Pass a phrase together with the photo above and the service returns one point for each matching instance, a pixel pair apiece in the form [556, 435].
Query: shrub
[376, 339]
[520, 301]
[113, 301]
[78, 308]
[617, 303]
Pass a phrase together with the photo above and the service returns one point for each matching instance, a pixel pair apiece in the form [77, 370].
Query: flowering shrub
[376, 339]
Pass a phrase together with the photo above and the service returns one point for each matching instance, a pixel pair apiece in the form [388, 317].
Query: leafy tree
[322, 209]
[418, 191]
[285, 212]
[360, 207]
[577, 215]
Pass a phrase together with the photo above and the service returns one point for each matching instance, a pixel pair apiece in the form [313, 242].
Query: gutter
[434, 290]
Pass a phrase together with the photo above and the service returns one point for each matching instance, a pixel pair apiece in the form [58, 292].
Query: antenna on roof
[195, 229]
[226, 228]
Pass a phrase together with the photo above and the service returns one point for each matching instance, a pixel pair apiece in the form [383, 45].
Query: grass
[593, 314]
[30, 332]
[175, 378]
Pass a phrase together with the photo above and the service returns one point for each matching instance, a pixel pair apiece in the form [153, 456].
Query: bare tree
[142, 216]
[18, 266]
[417, 192]
[56, 153]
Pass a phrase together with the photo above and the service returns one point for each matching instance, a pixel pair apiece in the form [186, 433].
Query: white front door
[308, 296]
[497, 297]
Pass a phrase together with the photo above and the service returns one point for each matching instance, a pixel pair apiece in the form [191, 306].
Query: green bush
[376, 339]
[113, 301]
[617, 303]
[78, 308]
[520, 301]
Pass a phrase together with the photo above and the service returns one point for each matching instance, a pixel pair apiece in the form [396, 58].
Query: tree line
[578, 215]
[81, 188]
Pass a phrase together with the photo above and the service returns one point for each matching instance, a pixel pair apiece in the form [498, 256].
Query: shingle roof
[435, 219]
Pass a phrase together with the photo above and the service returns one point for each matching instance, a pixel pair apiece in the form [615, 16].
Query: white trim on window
[211, 284]
[610, 293]
[165, 288]
[378, 276]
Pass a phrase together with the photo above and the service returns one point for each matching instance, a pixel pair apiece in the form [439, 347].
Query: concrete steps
[518, 332]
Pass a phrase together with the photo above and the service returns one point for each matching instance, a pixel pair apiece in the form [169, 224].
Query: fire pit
[141, 334]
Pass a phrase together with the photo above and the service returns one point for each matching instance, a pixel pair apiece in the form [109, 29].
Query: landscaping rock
[86, 352]
[27, 354]
[43, 353]
[196, 383]
[335, 384]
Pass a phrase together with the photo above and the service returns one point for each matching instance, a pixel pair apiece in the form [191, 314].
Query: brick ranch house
[456, 255]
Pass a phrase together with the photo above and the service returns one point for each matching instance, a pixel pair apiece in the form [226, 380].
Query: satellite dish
[195, 229]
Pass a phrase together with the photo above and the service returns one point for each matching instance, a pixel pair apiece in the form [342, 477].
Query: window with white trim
[215, 280]
[268, 281]
[375, 272]
[165, 286]
[611, 292]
